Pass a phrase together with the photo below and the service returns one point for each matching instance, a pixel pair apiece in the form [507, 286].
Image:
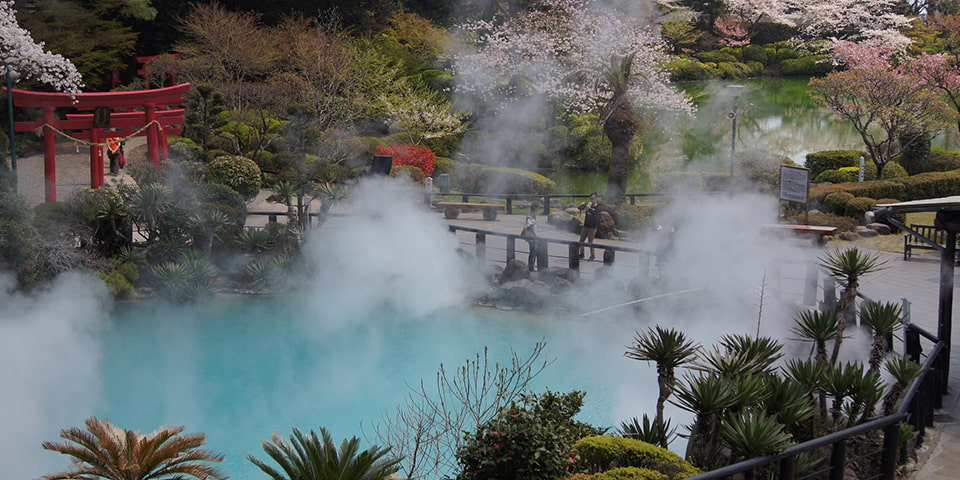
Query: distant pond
[775, 115]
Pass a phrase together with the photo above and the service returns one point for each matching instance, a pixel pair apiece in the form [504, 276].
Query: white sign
[794, 183]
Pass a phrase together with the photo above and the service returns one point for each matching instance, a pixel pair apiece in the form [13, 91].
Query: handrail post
[573, 254]
[509, 205]
[511, 248]
[786, 468]
[546, 205]
[891, 442]
[481, 245]
[838, 459]
[543, 256]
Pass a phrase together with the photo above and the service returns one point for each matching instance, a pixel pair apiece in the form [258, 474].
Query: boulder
[513, 271]
[557, 278]
[881, 228]
[866, 232]
[607, 227]
[849, 236]
[522, 294]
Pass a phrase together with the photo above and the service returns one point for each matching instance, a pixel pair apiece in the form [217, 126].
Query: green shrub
[130, 270]
[603, 453]
[734, 70]
[443, 165]
[686, 69]
[806, 66]
[836, 202]
[633, 217]
[530, 441]
[755, 53]
[941, 161]
[716, 56]
[836, 176]
[769, 32]
[832, 160]
[625, 473]
[409, 172]
[891, 171]
[874, 189]
[679, 181]
[117, 283]
[783, 52]
[238, 173]
[930, 185]
[857, 206]
[477, 178]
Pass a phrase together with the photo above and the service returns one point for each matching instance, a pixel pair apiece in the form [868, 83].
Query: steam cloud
[49, 351]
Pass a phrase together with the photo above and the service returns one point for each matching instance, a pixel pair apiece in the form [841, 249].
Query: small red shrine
[151, 113]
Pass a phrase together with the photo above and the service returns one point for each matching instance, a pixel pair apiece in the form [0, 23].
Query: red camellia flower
[410, 154]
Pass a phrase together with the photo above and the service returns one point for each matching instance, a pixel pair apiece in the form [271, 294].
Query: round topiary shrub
[603, 453]
[835, 176]
[836, 202]
[409, 172]
[625, 473]
[239, 173]
[857, 206]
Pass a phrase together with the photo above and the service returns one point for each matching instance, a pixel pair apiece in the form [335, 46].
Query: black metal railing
[546, 199]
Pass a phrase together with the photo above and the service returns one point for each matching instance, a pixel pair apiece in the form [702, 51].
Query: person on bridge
[591, 220]
[530, 231]
[115, 153]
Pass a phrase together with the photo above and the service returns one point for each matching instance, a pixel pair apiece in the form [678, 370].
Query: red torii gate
[155, 121]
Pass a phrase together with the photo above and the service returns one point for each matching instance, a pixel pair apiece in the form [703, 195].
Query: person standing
[530, 231]
[591, 220]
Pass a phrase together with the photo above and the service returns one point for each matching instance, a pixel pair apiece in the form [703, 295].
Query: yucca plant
[904, 371]
[882, 319]
[255, 240]
[313, 457]
[817, 327]
[791, 404]
[763, 352]
[810, 375]
[654, 431]
[729, 363]
[707, 396]
[208, 225]
[753, 433]
[850, 381]
[669, 348]
[111, 453]
[864, 396]
[848, 266]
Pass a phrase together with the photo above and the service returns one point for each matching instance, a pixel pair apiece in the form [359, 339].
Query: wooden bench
[911, 241]
[819, 234]
[451, 210]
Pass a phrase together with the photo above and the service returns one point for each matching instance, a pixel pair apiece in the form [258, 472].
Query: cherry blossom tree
[889, 105]
[818, 19]
[941, 73]
[28, 58]
[558, 53]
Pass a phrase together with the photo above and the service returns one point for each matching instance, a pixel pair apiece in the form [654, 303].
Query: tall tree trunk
[620, 127]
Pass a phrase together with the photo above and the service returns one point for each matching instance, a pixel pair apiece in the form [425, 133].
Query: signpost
[795, 185]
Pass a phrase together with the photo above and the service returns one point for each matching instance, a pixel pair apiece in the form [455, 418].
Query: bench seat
[451, 210]
[911, 241]
[819, 234]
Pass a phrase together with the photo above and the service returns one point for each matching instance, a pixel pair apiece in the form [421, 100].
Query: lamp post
[13, 143]
[735, 92]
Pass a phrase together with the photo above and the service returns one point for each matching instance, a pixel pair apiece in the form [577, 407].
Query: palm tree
[669, 348]
[753, 434]
[707, 396]
[620, 124]
[112, 453]
[308, 457]
[848, 266]
[883, 319]
[817, 327]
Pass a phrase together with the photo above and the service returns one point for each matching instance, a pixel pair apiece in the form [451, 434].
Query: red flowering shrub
[409, 154]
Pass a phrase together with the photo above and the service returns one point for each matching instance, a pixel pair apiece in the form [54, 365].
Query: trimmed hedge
[633, 217]
[917, 187]
[477, 178]
[625, 473]
[236, 172]
[818, 162]
[603, 453]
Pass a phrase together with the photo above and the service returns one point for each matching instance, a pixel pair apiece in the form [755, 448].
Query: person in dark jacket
[591, 220]
[530, 232]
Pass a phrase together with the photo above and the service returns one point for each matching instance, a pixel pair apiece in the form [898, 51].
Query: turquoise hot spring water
[241, 368]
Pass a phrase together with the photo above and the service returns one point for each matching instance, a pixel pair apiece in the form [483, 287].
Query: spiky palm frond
[255, 239]
[705, 394]
[882, 319]
[851, 263]
[312, 457]
[762, 352]
[752, 434]
[817, 327]
[111, 453]
[789, 401]
[904, 371]
[667, 347]
[655, 432]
